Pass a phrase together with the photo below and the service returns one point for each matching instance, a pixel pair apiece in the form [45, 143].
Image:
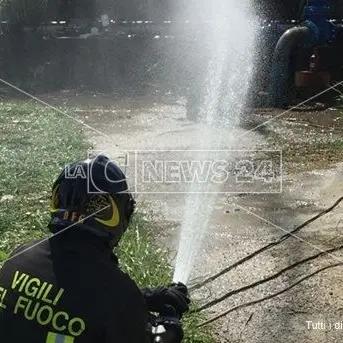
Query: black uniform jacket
[69, 289]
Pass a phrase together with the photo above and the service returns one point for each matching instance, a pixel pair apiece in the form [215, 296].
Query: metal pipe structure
[315, 30]
[279, 84]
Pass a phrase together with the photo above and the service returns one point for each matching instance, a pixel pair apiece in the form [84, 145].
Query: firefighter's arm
[130, 320]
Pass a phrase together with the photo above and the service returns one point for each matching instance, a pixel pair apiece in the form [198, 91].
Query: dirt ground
[242, 223]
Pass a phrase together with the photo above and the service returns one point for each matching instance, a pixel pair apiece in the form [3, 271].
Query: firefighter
[69, 288]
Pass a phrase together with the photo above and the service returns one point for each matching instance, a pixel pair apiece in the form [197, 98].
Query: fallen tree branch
[260, 282]
[251, 303]
[266, 247]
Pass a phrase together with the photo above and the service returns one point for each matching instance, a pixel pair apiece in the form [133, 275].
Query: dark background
[115, 62]
[165, 9]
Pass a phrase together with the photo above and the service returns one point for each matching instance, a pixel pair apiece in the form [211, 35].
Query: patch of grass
[307, 156]
[336, 146]
[35, 143]
[3, 256]
[142, 259]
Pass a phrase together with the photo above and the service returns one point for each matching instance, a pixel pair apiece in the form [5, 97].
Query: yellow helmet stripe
[53, 200]
[114, 221]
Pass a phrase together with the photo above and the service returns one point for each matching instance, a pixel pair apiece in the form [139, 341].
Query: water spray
[230, 36]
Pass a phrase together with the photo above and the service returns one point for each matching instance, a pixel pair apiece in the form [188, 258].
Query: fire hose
[166, 327]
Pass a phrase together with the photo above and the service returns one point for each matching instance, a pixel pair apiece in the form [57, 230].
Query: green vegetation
[306, 156]
[35, 143]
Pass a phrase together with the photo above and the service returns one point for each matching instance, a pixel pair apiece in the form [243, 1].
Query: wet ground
[243, 223]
